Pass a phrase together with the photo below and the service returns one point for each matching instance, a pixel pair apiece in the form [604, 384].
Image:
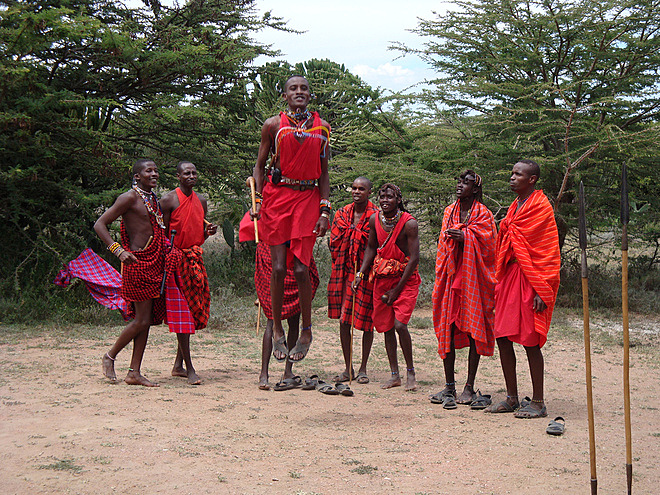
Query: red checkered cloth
[347, 245]
[290, 301]
[101, 279]
[530, 236]
[476, 270]
[195, 285]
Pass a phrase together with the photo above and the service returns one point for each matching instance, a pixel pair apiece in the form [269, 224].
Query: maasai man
[348, 241]
[393, 248]
[527, 271]
[295, 208]
[184, 210]
[463, 293]
[142, 253]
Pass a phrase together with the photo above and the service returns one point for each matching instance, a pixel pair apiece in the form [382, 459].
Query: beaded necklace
[146, 199]
[389, 223]
[299, 120]
[457, 205]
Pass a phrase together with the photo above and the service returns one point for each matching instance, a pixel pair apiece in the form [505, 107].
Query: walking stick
[250, 182]
[162, 284]
[625, 214]
[587, 338]
[350, 353]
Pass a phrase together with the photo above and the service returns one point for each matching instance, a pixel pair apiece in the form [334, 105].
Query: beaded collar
[147, 198]
[389, 223]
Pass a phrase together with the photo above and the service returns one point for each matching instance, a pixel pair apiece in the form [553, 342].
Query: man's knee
[279, 269]
[300, 271]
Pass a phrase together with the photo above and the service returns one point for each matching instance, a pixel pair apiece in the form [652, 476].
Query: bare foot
[193, 378]
[411, 383]
[109, 367]
[135, 378]
[395, 381]
[179, 371]
[263, 382]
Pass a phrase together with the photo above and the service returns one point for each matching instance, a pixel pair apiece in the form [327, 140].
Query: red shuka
[402, 308]
[188, 221]
[347, 245]
[287, 214]
[465, 281]
[529, 238]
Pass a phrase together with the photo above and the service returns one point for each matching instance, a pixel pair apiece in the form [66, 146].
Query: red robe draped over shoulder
[529, 238]
[287, 214]
[474, 295]
[347, 245]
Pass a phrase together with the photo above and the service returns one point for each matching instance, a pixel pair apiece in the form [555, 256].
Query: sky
[356, 33]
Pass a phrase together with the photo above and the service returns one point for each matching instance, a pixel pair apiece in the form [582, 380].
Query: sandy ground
[65, 429]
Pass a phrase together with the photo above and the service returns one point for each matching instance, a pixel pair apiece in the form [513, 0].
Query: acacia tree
[574, 83]
[88, 85]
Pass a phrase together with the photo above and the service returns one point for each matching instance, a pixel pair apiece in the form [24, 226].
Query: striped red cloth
[101, 279]
[290, 300]
[195, 285]
[347, 245]
[530, 237]
[476, 269]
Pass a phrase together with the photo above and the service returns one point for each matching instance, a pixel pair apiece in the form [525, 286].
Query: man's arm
[265, 147]
[120, 207]
[323, 223]
[369, 252]
[167, 206]
[412, 236]
[209, 228]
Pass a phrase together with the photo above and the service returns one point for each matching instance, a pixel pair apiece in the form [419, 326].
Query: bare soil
[65, 429]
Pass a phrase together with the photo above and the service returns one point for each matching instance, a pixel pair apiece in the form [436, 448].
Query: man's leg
[292, 338]
[406, 347]
[177, 368]
[266, 349]
[536, 365]
[508, 362]
[367, 342]
[278, 258]
[184, 347]
[390, 347]
[143, 316]
[131, 330]
[473, 364]
[301, 272]
[345, 339]
[449, 365]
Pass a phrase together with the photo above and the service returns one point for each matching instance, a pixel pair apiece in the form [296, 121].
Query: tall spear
[253, 193]
[625, 216]
[587, 339]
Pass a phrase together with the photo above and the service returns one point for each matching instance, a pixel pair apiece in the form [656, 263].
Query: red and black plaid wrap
[347, 245]
[478, 281]
[290, 300]
[195, 285]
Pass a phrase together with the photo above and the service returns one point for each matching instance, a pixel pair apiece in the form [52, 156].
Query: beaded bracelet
[113, 247]
[259, 195]
[258, 201]
[326, 202]
[326, 215]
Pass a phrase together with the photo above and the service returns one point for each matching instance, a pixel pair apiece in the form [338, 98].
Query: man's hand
[256, 213]
[356, 282]
[210, 229]
[539, 306]
[456, 234]
[390, 296]
[127, 258]
[321, 226]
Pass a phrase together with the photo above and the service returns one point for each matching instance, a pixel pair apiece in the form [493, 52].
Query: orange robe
[528, 263]
[464, 289]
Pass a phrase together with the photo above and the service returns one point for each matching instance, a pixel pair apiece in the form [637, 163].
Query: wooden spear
[587, 339]
[350, 352]
[250, 182]
[625, 216]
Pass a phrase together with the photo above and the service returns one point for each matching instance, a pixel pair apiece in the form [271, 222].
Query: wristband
[326, 202]
[325, 214]
[359, 275]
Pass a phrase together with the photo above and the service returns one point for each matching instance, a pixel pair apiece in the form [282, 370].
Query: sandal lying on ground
[480, 401]
[326, 388]
[311, 382]
[556, 426]
[445, 398]
[343, 377]
[362, 378]
[344, 389]
[288, 384]
[529, 412]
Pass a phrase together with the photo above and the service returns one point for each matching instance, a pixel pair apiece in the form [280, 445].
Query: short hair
[286, 83]
[364, 179]
[179, 166]
[141, 164]
[534, 167]
[477, 187]
[397, 193]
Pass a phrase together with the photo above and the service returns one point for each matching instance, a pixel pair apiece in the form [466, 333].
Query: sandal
[311, 382]
[326, 388]
[288, 384]
[481, 401]
[502, 407]
[343, 377]
[344, 389]
[362, 378]
[280, 346]
[529, 412]
[299, 349]
[556, 426]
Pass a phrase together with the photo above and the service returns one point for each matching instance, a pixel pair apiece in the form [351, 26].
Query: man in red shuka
[184, 210]
[295, 208]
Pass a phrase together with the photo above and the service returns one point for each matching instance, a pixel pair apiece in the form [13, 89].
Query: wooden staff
[350, 352]
[625, 214]
[162, 284]
[250, 182]
[587, 338]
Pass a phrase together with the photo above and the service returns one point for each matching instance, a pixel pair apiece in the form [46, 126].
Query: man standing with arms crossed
[527, 272]
[293, 205]
[184, 210]
[348, 241]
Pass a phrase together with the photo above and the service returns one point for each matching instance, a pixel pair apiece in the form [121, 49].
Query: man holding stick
[295, 208]
[527, 272]
[142, 253]
[348, 241]
[184, 210]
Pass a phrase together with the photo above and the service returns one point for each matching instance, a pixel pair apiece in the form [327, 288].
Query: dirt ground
[65, 429]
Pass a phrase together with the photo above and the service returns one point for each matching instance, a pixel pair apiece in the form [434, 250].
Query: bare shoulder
[168, 201]
[202, 198]
[272, 122]
[411, 226]
[325, 124]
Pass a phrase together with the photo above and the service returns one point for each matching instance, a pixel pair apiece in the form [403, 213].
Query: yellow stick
[253, 194]
[350, 354]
